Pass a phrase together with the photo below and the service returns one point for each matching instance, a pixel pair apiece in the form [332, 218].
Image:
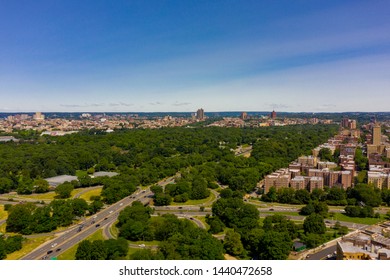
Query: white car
[53, 245]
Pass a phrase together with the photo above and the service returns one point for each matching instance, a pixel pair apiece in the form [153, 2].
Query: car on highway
[121, 204]
[111, 212]
[58, 249]
[97, 225]
[53, 245]
[49, 252]
[142, 245]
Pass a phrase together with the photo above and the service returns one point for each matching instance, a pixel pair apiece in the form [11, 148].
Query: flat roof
[105, 173]
[57, 180]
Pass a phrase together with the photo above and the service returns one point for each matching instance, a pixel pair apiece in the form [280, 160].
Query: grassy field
[3, 214]
[366, 221]
[71, 252]
[2, 228]
[49, 195]
[280, 213]
[131, 251]
[87, 195]
[28, 246]
[40, 196]
[80, 173]
[204, 201]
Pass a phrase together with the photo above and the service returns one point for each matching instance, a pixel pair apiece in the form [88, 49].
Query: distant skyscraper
[273, 114]
[344, 122]
[244, 115]
[200, 114]
[352, 124]
[376, 134]
[38, 116]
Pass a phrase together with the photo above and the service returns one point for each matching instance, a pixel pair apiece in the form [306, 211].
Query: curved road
[77, 195]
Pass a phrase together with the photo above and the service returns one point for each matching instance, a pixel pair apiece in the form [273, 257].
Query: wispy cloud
[278, 106]
[121, 104]
[181, 103]
[82, 105]
[156, 103]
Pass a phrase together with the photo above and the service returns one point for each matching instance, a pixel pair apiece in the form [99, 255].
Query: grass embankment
[2, 228]
[3, 213]
[87, 195]
[114, 230]
[71, 252]
[366, 221]
[205, 201]
[203, 220]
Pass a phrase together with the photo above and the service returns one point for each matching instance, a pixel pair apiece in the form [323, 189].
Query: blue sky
[129, 56]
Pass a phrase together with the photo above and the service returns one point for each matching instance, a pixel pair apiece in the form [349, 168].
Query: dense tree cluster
[271, 242]
[315, 206]
[28, 218]
[9, 245]
[111, 249]
[360, 211]
[359, 194]
[180, 239]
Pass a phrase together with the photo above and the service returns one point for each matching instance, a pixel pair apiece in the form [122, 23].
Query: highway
[86, 228]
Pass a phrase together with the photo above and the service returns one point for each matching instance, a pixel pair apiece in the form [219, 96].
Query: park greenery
[179, 239]
[204, 158]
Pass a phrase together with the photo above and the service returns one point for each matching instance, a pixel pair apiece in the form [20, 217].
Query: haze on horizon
[177, 56]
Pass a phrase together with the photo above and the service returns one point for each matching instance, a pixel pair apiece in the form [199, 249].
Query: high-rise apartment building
[376, 134]
[200, 114]
[273, 114]
[244, 116]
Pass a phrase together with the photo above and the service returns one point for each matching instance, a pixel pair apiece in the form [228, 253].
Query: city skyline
[176, 56]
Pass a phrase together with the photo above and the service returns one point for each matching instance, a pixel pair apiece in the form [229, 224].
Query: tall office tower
[244, 115]
[376, 134]
[38, 116]
[200, 114]
[273, 114]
